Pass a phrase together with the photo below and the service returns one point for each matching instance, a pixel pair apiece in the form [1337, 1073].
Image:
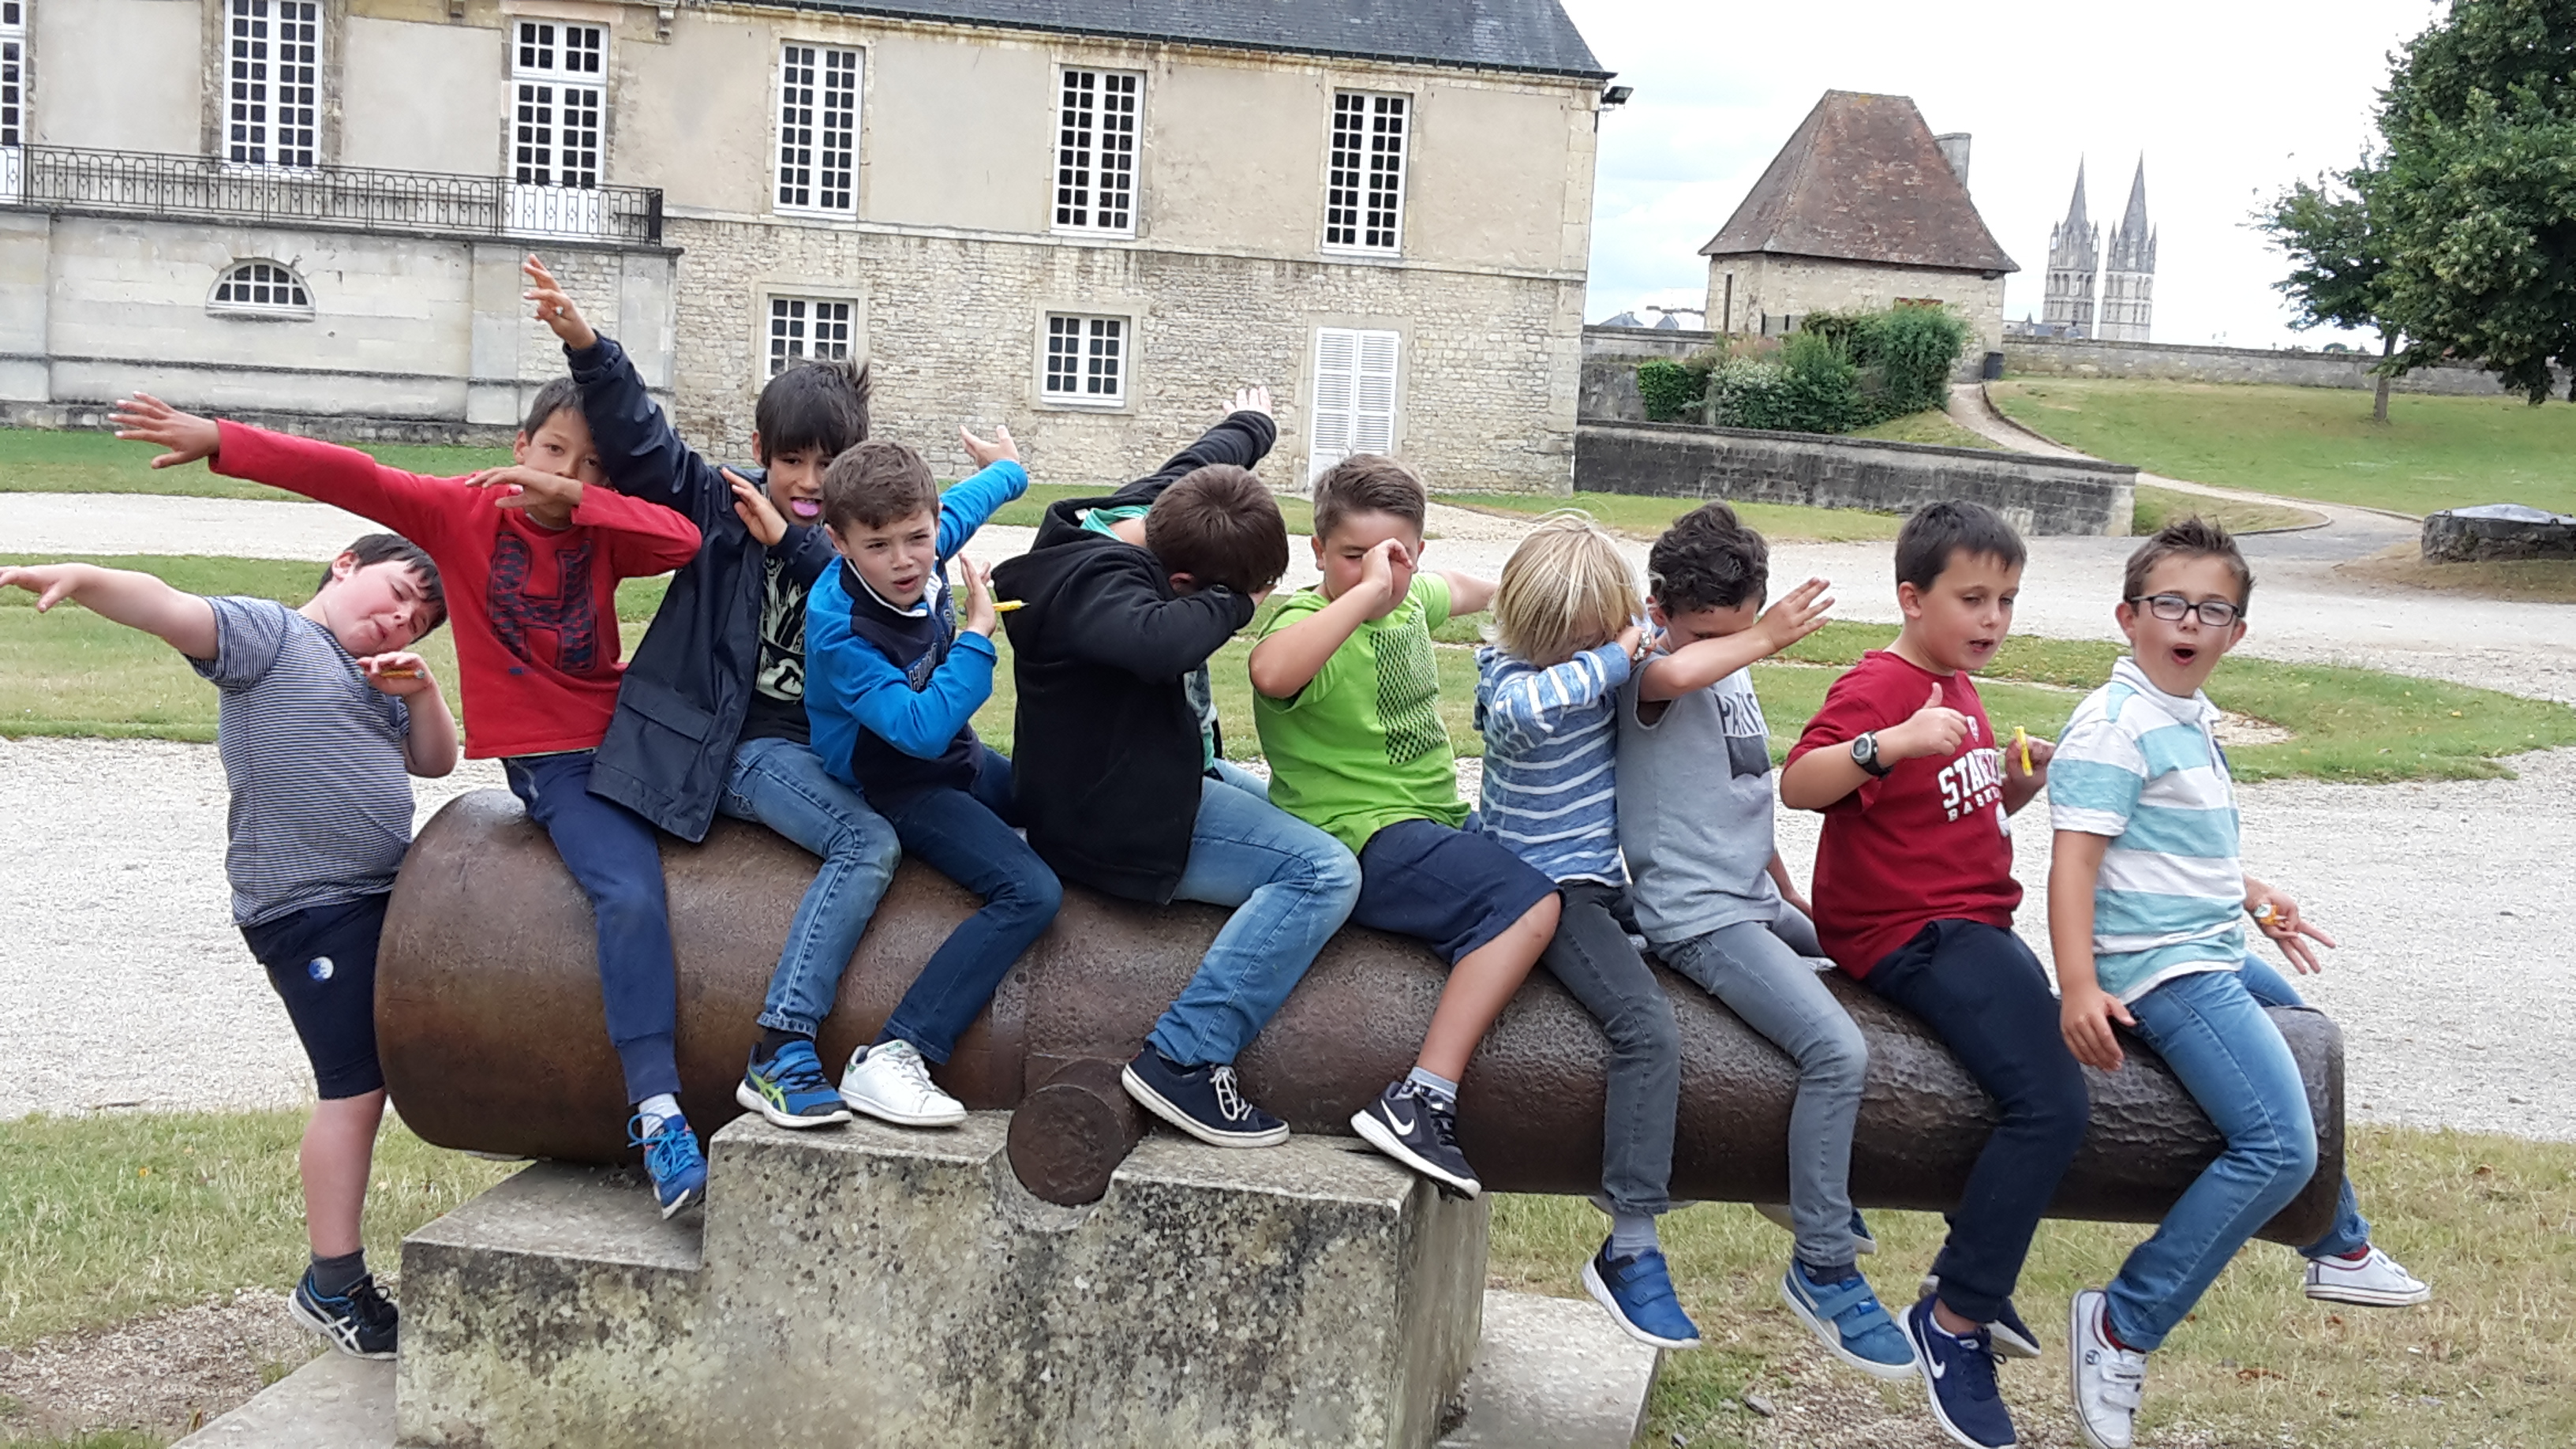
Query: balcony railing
[148, 183]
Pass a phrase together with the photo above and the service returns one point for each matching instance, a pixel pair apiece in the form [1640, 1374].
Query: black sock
[333, 1277]
[771, 1039]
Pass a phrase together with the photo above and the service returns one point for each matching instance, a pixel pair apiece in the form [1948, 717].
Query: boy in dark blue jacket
[711, 715]
[891, 683]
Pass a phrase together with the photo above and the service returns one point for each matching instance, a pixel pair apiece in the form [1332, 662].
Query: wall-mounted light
[1613, 97]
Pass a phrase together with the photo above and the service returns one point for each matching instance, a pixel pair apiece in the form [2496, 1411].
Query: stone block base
[876, 1286]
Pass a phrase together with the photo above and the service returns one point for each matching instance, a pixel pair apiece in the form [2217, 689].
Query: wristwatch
[1864, 751]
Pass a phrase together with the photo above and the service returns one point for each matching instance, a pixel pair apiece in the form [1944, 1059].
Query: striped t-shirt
[2141, 767]
[1551, 743]
[321, 803]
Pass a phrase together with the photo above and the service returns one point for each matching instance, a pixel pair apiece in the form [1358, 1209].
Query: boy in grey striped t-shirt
[323, 714]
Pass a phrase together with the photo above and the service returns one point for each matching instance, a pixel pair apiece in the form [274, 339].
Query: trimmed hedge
[1839, 371]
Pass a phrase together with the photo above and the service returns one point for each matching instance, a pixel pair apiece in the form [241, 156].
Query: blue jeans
[616, 858]
[2211, 1031]
[1292, 885]
[2351, 1231]
[783, 785]
[967, 837]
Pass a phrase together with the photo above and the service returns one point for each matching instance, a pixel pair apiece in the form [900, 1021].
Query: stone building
[1863, 208]
[2129, 270]
[1089, 223]
[2074, 256]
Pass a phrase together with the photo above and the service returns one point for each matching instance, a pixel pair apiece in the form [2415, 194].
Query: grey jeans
[1592, 959]
[1759, 970]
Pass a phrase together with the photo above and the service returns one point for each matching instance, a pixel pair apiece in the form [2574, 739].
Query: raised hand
[399, 673]
[1377, 572]
[144, 418]
[50, 583]
[753, 507]
[521, 486]
[1799, 613]
[1253, 399]
[1933, 730]
[987, 454]
[981, 618]
[555, 307]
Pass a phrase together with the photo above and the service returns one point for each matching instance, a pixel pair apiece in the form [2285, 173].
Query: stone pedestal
[871, 1286]
[2497, 532]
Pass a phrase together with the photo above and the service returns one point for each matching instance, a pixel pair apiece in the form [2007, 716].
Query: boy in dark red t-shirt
[1914, 897]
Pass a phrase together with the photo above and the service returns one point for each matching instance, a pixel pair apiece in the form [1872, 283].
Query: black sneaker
[361, 1323]
[1205, 1102]
[1420, 1131]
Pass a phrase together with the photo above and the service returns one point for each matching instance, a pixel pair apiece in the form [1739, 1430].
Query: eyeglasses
[2216, 613]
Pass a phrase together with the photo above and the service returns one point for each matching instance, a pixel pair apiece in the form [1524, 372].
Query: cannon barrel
[490, 1027]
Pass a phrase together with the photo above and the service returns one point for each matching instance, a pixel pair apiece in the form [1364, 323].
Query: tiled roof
[1512, 35]
[1863, 180]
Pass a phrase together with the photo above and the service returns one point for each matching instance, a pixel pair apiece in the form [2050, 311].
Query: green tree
[2339, 262]
[2476, 195]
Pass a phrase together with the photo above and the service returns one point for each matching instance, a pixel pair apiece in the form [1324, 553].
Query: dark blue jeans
[616, 858]
[1984, 995]
[967, 837]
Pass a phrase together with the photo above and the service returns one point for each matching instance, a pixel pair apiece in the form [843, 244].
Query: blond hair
[1564, 590]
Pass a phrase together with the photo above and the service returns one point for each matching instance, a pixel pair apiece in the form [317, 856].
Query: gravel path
[122, 982]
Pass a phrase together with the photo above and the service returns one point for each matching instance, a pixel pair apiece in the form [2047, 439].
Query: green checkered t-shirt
[1362, 746]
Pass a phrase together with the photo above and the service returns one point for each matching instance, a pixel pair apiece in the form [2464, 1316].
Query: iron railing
[151, 183]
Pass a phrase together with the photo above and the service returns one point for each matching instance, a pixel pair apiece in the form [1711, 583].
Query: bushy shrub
[1904, 356]
[1745, 392]
[1820, 391]
[1669, 388]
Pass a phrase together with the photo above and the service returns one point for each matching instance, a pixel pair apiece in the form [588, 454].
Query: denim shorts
[1454, 890]
[322, 962]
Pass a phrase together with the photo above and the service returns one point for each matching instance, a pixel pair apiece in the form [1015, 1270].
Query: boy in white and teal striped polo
[2145, 896]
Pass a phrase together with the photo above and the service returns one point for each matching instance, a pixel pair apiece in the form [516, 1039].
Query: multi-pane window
[1095, 151]
[1354, 409]
[13, 69]
[807, 329]
[818, 127]
[272, 81]
[260, 287]
[1086, 359]
[1364, 195]
[558, 79]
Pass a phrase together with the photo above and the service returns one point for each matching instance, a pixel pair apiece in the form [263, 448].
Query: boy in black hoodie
[1121, 778]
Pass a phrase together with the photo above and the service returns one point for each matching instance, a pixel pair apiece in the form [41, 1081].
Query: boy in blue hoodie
[891, 683]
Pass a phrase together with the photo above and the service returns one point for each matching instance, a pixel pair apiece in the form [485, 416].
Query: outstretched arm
[136, 600]
[1468, 594]
[1242, 438]
[1697, 665]
[1524, 707]
[411, 505]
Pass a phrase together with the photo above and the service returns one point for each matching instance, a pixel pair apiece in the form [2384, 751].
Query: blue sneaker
[2013, 1338]
[1638, 1292]
[1846, 1318]
[1959, 1373]
[671, 1159]
[790, 1089]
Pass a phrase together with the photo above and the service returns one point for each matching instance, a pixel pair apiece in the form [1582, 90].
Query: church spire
[2129, 271]
[2074, 255]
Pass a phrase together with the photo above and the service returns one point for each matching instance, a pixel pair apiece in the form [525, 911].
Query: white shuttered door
[1354, 409]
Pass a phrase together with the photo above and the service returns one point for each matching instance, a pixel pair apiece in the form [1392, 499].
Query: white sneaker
[890, 1082]
[2104, 1378]
[2375, 1281]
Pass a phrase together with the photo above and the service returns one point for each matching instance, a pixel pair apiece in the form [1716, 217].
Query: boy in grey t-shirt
[1716, 902]
[323, 718]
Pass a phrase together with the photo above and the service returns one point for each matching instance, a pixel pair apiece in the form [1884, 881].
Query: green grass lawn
[106, 1218]
[1645, 517]
[1929, 426]
[2313, 442]
[73, 673]
[2155, 507]
[42, 460]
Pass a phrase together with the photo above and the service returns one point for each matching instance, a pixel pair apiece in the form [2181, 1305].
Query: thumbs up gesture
[1933, 730]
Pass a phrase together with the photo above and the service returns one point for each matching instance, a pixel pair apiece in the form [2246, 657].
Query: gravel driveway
[122, 982]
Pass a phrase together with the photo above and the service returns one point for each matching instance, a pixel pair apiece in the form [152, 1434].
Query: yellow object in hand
[2021, 742]
[1005, 606]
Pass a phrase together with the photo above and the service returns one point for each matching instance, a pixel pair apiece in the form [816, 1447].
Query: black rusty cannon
[488, 1020]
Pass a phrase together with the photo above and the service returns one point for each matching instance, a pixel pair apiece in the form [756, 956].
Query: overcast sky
[2227, 99]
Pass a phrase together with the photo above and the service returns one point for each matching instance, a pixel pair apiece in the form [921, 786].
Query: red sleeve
[1866, 698]
[418, 508]
[644, 539]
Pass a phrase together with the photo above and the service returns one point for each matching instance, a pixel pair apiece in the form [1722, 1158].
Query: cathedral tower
[2129, 273]
[2074, 252]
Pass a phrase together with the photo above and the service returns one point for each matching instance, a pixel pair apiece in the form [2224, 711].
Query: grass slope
[73, 673]
[1929, 426]
[2308, 442]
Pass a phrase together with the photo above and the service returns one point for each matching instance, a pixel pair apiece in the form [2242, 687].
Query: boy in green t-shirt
[1346, 694]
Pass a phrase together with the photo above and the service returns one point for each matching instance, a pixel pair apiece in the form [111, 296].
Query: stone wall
[1673, 460]
[2080, 357]
[955, 327]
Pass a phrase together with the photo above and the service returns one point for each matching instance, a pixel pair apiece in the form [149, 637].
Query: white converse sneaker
[890, 1082]
[2375, 1280]
[2105, 1379]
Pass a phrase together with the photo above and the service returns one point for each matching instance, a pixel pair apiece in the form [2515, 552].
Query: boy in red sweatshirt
[530, 556]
